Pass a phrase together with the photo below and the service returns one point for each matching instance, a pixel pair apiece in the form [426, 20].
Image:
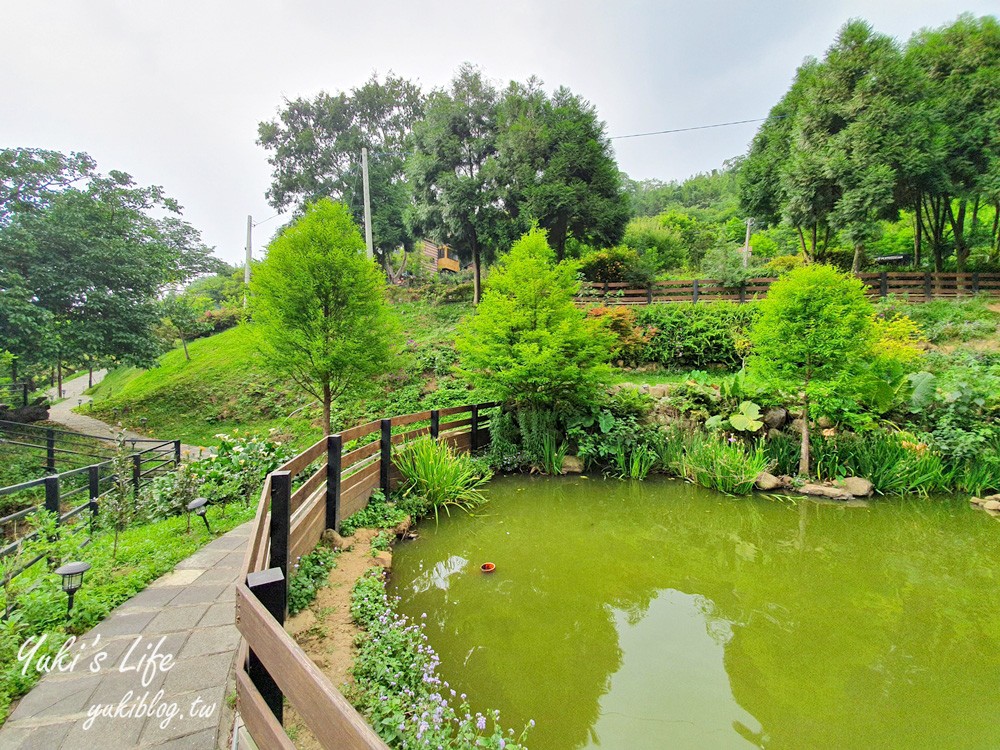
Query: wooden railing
[337, 476]
[917, 287]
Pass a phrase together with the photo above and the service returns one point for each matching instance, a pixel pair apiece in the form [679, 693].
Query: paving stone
[219, 574]
[124, 622]
[205, 641]
[200, 594]
[55, 698]
[232, 541]
[104, 733]
[45, 737]
[205, 558]
[154, 598]
[223, 613]
[177, 618]
[190, 675]
[182, 577]
[205, 740]
[116, 687]
[197, 711]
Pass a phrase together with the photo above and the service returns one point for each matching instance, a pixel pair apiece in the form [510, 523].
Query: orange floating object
[488, 567]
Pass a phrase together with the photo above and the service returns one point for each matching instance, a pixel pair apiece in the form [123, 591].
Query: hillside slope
[225, 385]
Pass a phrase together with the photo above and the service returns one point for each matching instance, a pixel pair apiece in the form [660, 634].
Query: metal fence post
[136, 473]
[435, 424]
[386, 456]
[334, 447]
[271, 589]
[50, 451]
[25, 387]
[177, 453]
[281, 520]
[94, 473]
[474, 438]
[52, 495]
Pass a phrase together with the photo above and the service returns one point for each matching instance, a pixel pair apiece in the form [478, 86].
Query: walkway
[73, 396]
[187, 615]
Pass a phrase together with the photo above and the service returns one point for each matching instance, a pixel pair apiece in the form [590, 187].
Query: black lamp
[72, 579]
[198, 506]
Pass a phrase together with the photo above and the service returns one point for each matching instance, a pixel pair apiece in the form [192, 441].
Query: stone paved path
[193, 610]
[73, 395]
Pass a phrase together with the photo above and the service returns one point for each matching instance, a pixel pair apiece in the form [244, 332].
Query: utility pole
[368, 206]
[746, 244]
[246, 269]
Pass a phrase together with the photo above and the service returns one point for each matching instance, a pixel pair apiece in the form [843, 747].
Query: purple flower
[480, 722]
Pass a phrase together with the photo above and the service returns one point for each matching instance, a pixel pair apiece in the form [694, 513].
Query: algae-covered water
[662, 615]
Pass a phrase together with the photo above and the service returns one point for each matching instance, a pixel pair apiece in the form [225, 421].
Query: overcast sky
[172, 92]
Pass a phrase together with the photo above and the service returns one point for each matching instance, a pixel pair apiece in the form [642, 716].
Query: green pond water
[663, 615]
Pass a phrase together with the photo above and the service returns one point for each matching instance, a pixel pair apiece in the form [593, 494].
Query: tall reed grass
[436, 477]
[729, 466]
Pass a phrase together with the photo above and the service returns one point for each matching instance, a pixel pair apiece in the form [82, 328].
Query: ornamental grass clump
[436, 477]
[397, 687]
[724, 464]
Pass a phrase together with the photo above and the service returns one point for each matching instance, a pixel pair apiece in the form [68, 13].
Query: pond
[663, 615]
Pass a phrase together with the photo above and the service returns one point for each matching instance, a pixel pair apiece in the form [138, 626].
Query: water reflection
[663, 615]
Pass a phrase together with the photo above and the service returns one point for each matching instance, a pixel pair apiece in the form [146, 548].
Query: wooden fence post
[386, 456]
[649, 293]
[50, 451]
[975, 283]
[694, 291]
[743, 292]
[271, 589]
[435, 424]
[52, 495]
[883, 284]
[474, 427]
[927, 287]
[334, 448]
[281, 517]
[24, 386]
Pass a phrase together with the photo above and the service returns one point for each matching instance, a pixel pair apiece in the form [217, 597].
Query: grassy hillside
[225, 387]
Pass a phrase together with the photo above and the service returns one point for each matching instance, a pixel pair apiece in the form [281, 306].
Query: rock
[572, 465]
[659, 391]
[824, 423]
[773, 433]
[767, 482]
[403, 527]
[991, 505]
[644, 388]
[648, 367]
[786, 481]
[775, 418]
[992, 497]
[829, 432]
[822, 490]
[383, 559]
[797, 425]
[335, 540]
[976, 500]
[621, 362]
[857, 486]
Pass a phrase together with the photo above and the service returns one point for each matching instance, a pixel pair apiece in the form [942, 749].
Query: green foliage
[945, 320]
[660, 247]
[527, 343]
[724, 263]
[436, 477]
[311, 574]
[615, 264]
[319, 307]
[381, 542]
[631, 339]
[747, 419]
[553, 453]
[697, 335]
[397, 687]
[614, 433]
[724, 464]
[379, 513]
[237, 469]
[635, 463]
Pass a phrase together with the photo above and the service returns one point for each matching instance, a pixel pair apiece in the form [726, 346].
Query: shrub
[660, 246]
[436, 477]
[718, 462]
[697, 335]
[616, 264]
[724, 263]
[311, 574]
[630, 339]
[379, 513]
[945, 320]
[239, 466]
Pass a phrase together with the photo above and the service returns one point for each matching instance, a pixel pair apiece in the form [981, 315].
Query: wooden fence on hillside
[916, 287]
[271, 667]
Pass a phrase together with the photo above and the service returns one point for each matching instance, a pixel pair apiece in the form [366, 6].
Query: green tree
[561, 171]
[316, 144]
[183, 315]
[456, 182]
[815, 333]
[319, 307]
[30, 177]
[528, 345]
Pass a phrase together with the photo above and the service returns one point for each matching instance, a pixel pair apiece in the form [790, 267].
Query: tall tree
[319, 306]
[456, 182]
[560, 168]
[316, 147]
[30, 177]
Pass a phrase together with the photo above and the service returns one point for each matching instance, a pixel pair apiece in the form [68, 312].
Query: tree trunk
[995, 234]
[802, 242]
[815, 253]
[917, 226]
[958, 230]
[13, 370]
[59, 379]
[326, 407]
[90, 375]
[804, 453]
[859, 256]
[476, 282]
[184, 343]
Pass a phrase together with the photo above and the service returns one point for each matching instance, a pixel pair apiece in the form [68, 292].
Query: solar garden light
[199, 506]
[72, 579]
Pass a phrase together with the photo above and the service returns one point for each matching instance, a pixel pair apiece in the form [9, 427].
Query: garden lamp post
[198, 506]
[72, 579]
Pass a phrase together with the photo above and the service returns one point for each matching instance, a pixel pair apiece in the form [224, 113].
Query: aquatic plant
[436, 477]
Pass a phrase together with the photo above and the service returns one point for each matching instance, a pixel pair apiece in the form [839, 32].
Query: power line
[697, 127]
[258, 223]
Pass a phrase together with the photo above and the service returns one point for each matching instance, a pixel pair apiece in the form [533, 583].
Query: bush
[945, 320]
[697, 335]
[660, 247]
[720, 463]
[239, 466]
[630, 339]
[379, 513]
[311, 574]
[221, 319]
[436, 477]
[616, 264]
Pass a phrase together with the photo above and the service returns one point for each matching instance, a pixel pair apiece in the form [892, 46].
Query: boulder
[822, 490]
[824, 423]
[992, 497]
[403, 527]
[659, 391]
[798, 425]
[335, 540]
[383, 559]
[773, 433]
[775, 418]
[857, 486]
[786, 481]
[976, 500]
[644, 389]
[767, 482]
[991, 505]
[572, 465]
